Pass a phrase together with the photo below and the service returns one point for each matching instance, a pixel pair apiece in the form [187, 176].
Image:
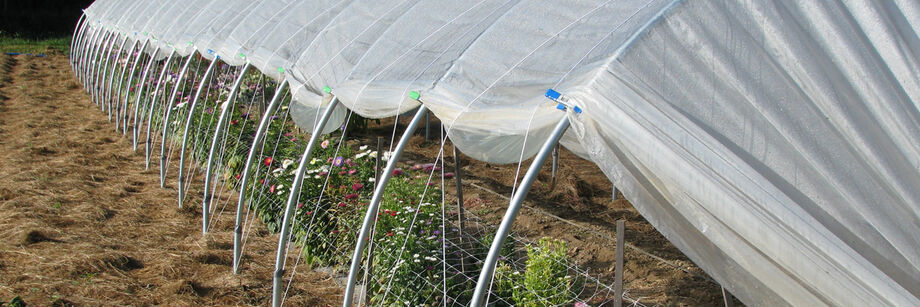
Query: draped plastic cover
[776, 143]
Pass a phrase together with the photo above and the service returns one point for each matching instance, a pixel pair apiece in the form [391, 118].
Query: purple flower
[338, 161]
[274, 117]
[209, 110]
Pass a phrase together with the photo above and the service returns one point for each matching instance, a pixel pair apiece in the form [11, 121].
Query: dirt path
[83, 223]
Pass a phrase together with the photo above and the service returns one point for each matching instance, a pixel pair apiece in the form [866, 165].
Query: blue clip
[562, 100]
[210, 51]
[553, 95]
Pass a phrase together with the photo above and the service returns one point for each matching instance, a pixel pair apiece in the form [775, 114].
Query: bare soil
[85, 224]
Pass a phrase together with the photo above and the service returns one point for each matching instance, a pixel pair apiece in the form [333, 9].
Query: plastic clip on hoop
[563, 102]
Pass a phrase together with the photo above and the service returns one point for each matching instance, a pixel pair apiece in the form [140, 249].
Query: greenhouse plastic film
[776, 143]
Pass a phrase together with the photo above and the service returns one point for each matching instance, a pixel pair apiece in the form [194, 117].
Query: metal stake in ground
[488, 268]
[292, 203]
[120, 87]
[124, 106]
[517, 200]
[375, 203]
[225, 110]
[141, 97]
[107, 97]
[188, 123]
[153, 103]
[76, 34]
[253, 151]
[618, 268]
[166, 122]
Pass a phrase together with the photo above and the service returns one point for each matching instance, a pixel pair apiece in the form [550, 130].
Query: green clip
[190, 43]
[145, 32]
[243, 56]
[281, 69]
[413, 95]
[327, 89]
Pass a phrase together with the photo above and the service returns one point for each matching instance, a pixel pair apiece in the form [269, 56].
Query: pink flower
[300, 205]
[357, 186]
[448, 175]
[324, 144]
[237, 176]
[350, 162]
[268, 161]
[341, 204]
[234, 122]
[389, 233]
[397, 172]
[352, 171]
[351, 196]
[581, 304]
[271, 189]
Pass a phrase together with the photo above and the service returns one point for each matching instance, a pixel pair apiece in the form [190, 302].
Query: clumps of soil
[103, 262]
[186, 287]
[35, 236]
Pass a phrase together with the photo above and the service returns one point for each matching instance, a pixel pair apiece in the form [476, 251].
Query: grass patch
[58, 45]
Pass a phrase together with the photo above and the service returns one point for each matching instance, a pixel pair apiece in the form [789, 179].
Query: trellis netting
[775, 143]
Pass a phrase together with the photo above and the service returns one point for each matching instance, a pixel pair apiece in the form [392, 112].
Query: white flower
[415, 256]
[362, 148]
[313, 161]
[372, 179]
[286, 163]
[277, 172]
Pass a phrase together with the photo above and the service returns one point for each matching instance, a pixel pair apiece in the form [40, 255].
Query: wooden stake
[618, 274]
[460, 215]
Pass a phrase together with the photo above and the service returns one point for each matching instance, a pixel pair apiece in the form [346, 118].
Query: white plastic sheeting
[776, 143]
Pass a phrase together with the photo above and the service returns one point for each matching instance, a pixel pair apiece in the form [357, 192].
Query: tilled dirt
[85, 224]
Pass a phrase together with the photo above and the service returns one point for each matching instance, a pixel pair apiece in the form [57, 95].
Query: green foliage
[16, 302]
[545, 280]
[34, 46]
[409, 242]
